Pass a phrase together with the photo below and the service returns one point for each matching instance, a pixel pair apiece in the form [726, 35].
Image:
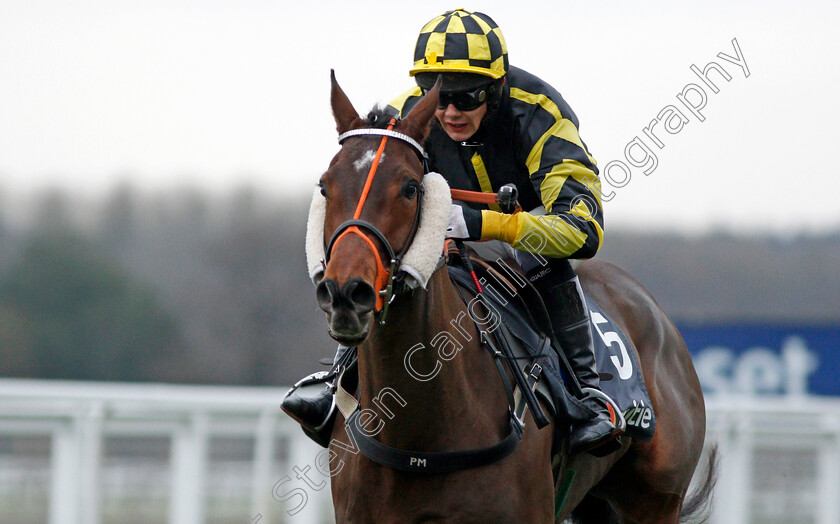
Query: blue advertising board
[766, 359]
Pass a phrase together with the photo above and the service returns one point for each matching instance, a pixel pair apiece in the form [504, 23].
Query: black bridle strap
[387, 293]
[378, 234]
[360, 224]
[383, 276]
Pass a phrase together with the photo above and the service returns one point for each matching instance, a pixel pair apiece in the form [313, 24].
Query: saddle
[525, 327]
[516, 329]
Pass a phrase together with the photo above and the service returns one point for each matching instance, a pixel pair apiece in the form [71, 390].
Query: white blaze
[366, 160]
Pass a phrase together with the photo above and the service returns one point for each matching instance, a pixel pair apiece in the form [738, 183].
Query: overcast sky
[220, 94]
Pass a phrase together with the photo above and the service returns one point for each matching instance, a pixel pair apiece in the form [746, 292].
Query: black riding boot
[311, 403]
[570, 322]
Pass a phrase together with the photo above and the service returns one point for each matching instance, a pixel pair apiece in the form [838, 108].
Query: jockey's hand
[464, 222]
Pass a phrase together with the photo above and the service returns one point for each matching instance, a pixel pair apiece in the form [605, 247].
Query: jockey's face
[460, 125]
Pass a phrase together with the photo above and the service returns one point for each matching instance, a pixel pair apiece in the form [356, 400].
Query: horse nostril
[325, 293]
[360, 294]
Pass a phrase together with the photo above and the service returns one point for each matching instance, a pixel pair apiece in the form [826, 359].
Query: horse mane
[379, 116]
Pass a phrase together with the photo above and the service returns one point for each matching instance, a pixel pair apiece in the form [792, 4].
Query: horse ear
[342, 108]
[422, 113]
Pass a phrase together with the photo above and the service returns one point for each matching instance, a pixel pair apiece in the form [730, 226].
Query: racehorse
[448, 397]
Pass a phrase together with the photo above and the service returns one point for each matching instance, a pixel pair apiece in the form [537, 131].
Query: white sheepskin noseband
[422, 256]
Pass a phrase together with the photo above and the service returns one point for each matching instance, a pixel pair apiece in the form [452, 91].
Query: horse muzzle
[349, 308]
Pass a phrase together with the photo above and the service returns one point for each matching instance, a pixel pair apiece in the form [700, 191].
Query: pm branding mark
[418, 462]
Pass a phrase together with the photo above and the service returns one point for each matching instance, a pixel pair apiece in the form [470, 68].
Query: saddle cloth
[616, 361]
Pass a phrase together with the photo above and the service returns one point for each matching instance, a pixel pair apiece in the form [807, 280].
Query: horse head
[372, 195]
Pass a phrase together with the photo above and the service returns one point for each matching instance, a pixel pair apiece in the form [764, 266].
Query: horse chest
[374, 494]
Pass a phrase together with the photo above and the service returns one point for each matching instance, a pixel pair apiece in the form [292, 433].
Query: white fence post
[65, 465]
[829, 474]
[189, 460]
[303, 452]
[90, 430]
[735, 443]
[261, 481]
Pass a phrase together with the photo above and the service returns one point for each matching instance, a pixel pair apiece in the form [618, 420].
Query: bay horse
[448, 396]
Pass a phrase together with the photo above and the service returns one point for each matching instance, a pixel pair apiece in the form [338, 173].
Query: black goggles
[464, 100]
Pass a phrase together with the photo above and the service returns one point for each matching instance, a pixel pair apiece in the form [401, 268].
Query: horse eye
[409, 191]
[323, 191]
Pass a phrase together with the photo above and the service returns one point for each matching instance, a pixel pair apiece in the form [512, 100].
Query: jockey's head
[467, 50]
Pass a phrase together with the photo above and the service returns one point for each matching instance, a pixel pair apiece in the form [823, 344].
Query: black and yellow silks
[532, 140]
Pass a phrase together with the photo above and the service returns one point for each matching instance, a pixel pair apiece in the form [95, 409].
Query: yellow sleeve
[549, 235]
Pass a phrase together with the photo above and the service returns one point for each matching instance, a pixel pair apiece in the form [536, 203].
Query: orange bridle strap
[372, 172]
[474, 196]
[382, 274]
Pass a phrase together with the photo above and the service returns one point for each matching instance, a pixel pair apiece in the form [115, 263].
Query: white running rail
[80, 419]
[72, 444]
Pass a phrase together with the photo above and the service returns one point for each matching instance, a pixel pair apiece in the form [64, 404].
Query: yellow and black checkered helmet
[461, 41]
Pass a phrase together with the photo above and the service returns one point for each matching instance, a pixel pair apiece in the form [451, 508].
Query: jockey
[496, 124]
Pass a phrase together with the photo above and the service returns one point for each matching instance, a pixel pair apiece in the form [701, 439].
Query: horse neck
[448, 389]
